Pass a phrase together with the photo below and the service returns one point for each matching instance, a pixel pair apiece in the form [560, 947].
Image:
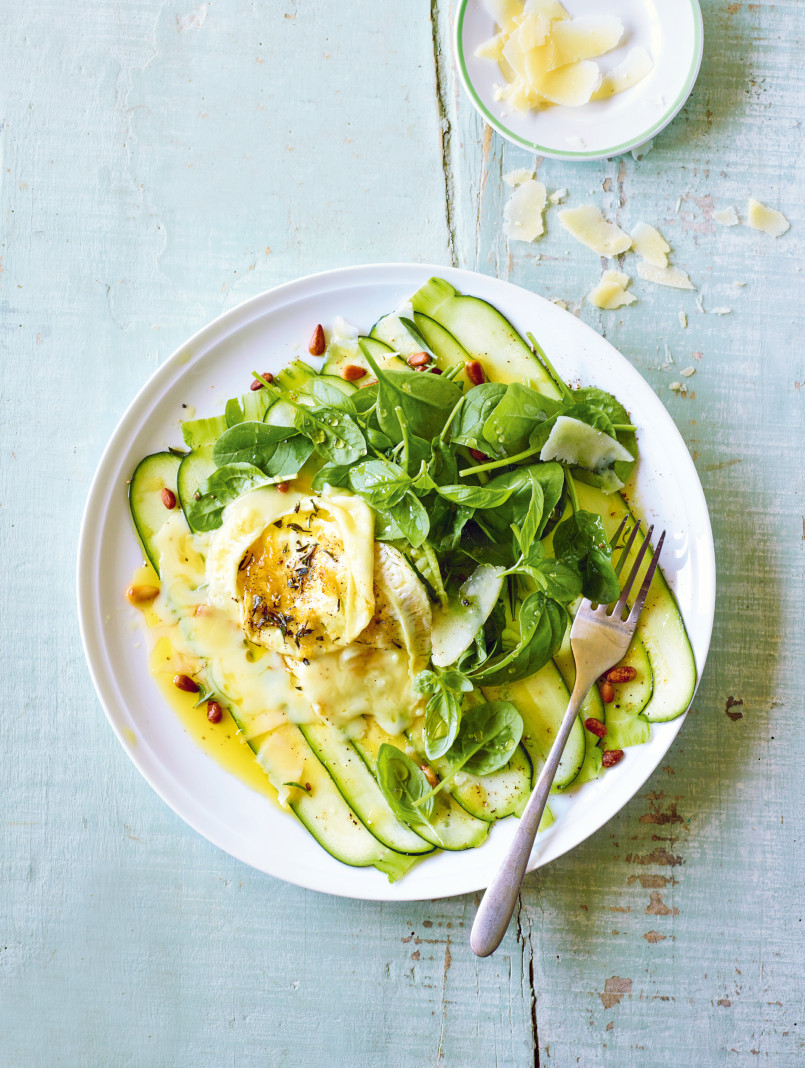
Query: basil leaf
[382, 484]
[551, 479]
[559, 579]
[411, 519]
[442, 720]
[489, 735]
[582, 540]
[402, 784]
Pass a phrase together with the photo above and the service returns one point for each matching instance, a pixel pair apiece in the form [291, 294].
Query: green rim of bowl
[668, 116]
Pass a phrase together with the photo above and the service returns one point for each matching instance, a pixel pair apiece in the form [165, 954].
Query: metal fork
[599, 638]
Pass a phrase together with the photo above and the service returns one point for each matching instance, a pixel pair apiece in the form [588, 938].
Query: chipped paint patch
[734, 702]
[657, 907]
[615, 989]
[659, 856]
[654, 936]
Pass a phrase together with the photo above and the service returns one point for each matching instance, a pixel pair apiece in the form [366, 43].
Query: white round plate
[670, 30]
[264, 334]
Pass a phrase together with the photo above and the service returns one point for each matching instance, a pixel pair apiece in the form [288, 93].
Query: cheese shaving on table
[588, 225]
[522, 216]
[720, 311]
[610, 293]
[769, 221]
[650, 245]
[683, 319]
[558, 196]
[518, 176]
[664, 276]
[686, 372]
[727, 217]
[547, 57]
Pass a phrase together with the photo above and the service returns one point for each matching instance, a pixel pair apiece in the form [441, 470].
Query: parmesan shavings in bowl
[547, 57]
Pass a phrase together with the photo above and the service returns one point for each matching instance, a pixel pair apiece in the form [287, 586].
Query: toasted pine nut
[185, 683]
[283, 487]
[352, 372]
[611, 757]
[168, 498]
[475, 372]
[621, 674]
[267, 375]
[595, 726]
[214, 712]
[317, 344]
[607, 693]
[476, 454]
[429, 774]
[418, 359]
[141, 594]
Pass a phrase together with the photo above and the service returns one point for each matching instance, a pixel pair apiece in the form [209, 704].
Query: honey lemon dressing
[278, 640]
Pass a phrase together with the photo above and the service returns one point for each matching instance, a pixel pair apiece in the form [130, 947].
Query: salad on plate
[367, 566]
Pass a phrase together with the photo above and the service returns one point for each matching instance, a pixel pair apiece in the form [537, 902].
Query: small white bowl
[671, 30]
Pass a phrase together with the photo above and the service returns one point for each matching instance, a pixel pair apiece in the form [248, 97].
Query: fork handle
[498, 903]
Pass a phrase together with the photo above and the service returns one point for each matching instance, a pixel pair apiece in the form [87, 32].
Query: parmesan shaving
[522, 216]
[720, 311]
[649, 244]
[727, 217]
[588, 225]
[683, 319]
[686, 372]
[637, 65]
[769, 221]
[518, 176]
[558, 196]
[610, 293]
[664, 276]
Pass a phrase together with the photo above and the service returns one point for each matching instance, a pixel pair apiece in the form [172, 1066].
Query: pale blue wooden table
[161, 163]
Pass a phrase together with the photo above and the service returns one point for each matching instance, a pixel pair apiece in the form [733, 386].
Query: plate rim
[656, 128]
[131, 419]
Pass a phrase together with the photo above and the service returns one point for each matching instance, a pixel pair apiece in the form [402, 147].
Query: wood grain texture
[161, 163]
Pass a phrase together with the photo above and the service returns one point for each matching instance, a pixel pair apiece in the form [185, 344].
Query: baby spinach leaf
[559, 579]
[289, 456]
[509, 426]
[468, 426]
[336, 436]
[489, 496]
[381, 483]
[525, 501]
[215, 493]
[542, 623]
[257, 443]
[411, 519]
[425, 400]
[332, 475]
[404, 786]
[329, 396]
[581, 540]
[489, 735]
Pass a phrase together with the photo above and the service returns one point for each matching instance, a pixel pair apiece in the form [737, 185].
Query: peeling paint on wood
[161, 161]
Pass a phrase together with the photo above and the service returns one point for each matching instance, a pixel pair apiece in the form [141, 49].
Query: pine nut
[185, 683]
[418, 359]
[168, 498]
[214, 712]
[595, 726]
[612, 757]
[352, 372]
[476, 454]
[317, 344]
[429, 774]
[141, 594]
[475, 372]
[607, 693]
[267, 375]
[283, 487]
[621, 674]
